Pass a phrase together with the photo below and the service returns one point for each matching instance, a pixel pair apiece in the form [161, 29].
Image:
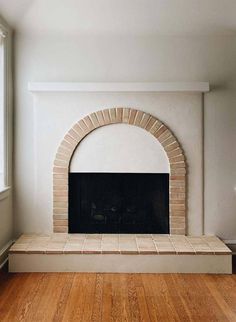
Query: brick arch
[177, 182]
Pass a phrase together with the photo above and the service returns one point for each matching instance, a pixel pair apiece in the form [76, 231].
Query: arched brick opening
[177, 184]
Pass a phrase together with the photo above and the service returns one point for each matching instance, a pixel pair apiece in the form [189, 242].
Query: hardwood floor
[117, 297]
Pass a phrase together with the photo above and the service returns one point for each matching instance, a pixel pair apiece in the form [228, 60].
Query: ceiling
[122, 17]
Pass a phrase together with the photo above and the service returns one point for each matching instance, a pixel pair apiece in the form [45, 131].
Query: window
[5, 108]
[2, 114]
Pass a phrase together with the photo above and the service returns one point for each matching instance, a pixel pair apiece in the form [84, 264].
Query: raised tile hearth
[120, 253]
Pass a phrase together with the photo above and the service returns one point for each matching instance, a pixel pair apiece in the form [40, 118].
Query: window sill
[4, 193]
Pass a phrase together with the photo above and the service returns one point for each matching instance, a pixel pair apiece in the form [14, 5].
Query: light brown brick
[178, 196]
[60, 222]
[63, 157]
[83, 126]
[178, 213]
[177, 189]
[178, 165]
[168, 141]
[177, 207]
[112, 112]
[60, 229]
[119, 113]
[106, 116]
[165, 135]
[60, 198]
[172, 146]
[138, 118]
[75, 135]
[61, 163]
[94, 119]
[132, 116]
[126, 113]
[60, 193]
[161, 130]
[177, 231]
[145, 120]
[55, 217]
[64, 150]
[89, 123]
[177, 177]
[60, 204]
[180, 171]
[174, 153]
[100, 118]
[150, 123]
[77, 128]
[60, 169]
[68, 146]
[70, 140]
[60, 211]
[177, 158]
[155, 127]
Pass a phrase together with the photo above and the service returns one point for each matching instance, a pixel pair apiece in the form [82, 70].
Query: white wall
[120, 148]
[6, 221]
[6, 213]
[75, 58]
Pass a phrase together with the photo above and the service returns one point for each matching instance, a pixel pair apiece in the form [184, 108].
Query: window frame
[7, 109]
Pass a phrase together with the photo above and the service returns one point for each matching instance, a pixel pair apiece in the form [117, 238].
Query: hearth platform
[141, 253]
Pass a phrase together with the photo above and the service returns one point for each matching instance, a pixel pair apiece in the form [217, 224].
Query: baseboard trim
[231, 243]
[4, 253]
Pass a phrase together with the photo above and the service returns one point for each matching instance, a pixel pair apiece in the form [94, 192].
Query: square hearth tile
[94, 236]
[55, 247]
[143, 236]
[37, 248]
[165, 248]
[92, 246]
[127, 237]
[25, 239]
[19, 248]
[61, 237]
[110, 248]
[76, 237]
[128, 246]
[162, 238]
[146, 245]
[74, 248]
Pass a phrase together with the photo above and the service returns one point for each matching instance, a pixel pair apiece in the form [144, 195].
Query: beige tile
[92, 246]
[94, 236]
[37, 248]
[76, 237]
[143, 235]
[55, 247]
[18, 248]
[163, 238]
[74, 246]
[146, 245]
[128, 246]
[110, 247]
[127, 236]
[59, 237]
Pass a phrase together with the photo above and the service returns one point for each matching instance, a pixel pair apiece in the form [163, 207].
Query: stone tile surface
[119, 244]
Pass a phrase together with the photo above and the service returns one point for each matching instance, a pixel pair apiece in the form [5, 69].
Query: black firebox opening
[119, 203]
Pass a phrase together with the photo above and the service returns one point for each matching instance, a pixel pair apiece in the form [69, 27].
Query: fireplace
[118, 203]
[67, 205]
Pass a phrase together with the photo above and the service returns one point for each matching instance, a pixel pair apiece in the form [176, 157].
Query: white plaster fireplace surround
[55, 113]
[75, 135]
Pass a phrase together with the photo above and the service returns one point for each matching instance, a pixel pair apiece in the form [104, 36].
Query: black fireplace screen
[119, 203]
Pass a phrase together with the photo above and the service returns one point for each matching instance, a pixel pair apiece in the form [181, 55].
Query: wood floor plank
[62, 301]
[98, 297]
[220, 300]
[34, 297]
